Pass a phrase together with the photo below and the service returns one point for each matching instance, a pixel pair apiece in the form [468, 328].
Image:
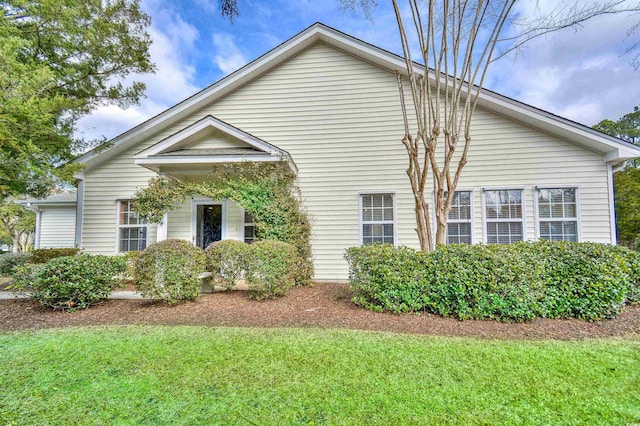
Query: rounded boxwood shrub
[72, 282]
[271, 269]
[9, 261]
[170, 271]
[227, 260]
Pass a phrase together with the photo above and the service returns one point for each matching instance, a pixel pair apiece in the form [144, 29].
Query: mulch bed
[324, 305]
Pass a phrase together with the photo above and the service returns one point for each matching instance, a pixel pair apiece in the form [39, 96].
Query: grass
[199, 375]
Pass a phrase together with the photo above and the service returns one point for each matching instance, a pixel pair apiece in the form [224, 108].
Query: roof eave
[566, 129]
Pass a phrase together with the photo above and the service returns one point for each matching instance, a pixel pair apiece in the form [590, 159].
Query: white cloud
[582, 75]
[209, 6]
[228, 56]
[173, 41]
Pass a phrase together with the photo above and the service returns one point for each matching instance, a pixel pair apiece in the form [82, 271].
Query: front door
[208, 224]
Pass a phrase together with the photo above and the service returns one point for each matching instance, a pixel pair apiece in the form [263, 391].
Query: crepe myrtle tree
[457, 40]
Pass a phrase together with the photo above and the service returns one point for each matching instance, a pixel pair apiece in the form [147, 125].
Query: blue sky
[583, 75]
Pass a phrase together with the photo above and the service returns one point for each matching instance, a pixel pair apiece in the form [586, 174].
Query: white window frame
[472, 198]
[120, 226]
[536, 207]
[384, 222]
[194, 216]
[244, 224]
[485, 220]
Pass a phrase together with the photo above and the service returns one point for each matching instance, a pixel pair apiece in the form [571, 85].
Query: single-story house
[328, 103]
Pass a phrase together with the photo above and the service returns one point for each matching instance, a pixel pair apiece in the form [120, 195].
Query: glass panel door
[209, 224]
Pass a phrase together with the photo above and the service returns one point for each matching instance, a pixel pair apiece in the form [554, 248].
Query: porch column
[162, 228]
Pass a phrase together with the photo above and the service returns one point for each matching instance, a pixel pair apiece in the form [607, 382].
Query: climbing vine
[266, 190]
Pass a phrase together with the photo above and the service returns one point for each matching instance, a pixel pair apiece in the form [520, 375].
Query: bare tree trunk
[423, 224]
[25, 240]
[443, 99]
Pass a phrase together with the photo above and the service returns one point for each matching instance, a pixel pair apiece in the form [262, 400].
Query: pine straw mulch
[324, 305]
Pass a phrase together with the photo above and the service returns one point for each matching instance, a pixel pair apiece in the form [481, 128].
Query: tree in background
[627, 181]
[627, 193]
[18, 223]
[60, 59]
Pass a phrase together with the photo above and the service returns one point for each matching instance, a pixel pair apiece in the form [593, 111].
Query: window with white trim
[377, 218]
[249, 228]
[459, 230]
[558, 214]
[504, 216]
[132, 232]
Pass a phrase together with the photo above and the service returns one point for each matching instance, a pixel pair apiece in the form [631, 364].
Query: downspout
[79, 210]
[612, 210]
[36, 238]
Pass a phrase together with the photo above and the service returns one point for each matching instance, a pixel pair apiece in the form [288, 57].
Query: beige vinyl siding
[217, 140]
[57, 227]
[340, 120]
[114, 180]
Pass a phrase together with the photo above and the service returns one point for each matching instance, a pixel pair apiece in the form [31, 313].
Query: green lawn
[199, 375]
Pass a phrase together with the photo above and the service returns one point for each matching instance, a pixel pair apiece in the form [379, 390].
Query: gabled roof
[174, 149]
[615, 150]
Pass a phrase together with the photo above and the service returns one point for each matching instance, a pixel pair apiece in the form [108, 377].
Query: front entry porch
[192, 155]
[203, 221]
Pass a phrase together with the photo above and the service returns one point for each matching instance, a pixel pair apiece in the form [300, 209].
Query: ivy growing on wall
[266, 190]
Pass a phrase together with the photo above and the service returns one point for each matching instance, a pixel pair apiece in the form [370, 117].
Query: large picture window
[558, 214]
[504, 216]
[132, 232]
[459, 229]
[377, 218]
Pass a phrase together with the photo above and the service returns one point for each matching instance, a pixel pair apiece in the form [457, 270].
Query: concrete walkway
[7, 295]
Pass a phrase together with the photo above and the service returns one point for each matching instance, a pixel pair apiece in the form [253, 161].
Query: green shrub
[170, 271]
[271, 269]
[46, 254]
[582, 280]
[633, 259]
[131, 258]
[384, 277]
[9, 261]
[72, 282]
[516, 282]
[227, 261]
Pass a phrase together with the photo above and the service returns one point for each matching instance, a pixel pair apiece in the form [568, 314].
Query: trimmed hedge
[10, 261]
[271, 269]
[71, 282]
[170, 271]
[227, 261]
[516, 282]
[45, 255]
